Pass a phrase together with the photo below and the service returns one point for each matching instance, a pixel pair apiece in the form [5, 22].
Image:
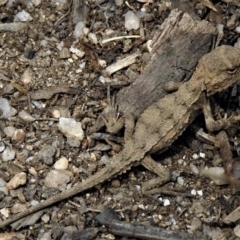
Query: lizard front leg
[114, 122]
[112, 119]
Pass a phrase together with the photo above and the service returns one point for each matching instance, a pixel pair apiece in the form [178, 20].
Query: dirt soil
[45, 73]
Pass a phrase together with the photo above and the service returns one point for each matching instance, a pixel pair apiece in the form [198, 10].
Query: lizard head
[222, 68]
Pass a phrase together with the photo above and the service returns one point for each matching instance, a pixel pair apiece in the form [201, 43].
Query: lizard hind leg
[162, 172]
[112, 119]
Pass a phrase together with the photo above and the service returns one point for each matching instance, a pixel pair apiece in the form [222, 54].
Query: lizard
[163, 122]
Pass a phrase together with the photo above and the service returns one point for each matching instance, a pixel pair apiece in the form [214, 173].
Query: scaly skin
[161, 123]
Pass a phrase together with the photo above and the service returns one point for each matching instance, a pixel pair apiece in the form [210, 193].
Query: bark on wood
[177, 47]
[176, 51]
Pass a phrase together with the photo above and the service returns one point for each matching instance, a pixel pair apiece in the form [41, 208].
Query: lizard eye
[232, 70]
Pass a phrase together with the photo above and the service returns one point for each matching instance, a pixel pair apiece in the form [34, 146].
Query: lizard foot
[224, 123]
[113, 121]
[216, 125]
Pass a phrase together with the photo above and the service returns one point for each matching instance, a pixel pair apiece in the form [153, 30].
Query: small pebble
[134, 208]
[9, 131]
[64, 54]
[237, 231]
[19, 136]
[71, 129]
[216, 174]
[46, 236]
[26, 116]
[193, 192]
[195, 156]
[194, 169]
[38, 105]
[18, 207]
[78, 31]
[45, 218]
[5, 212]
[58, 179]
[8, 154]
[180, 180]
[93, 38]
[23, 16]
[115, 183]
[141, 206]
[166, 202]
[131, 21]
[6, 111]
[61, 164]
[46, 154]
[18, 180]
[200, 192]
[27, 76]
[34, 202]
[77, 51]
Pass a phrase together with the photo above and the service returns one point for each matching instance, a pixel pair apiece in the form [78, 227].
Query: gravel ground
[47, 73]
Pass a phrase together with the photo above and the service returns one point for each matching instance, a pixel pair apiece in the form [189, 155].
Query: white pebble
[193, 192]
[141, 206]
[195, 156]
[194, 169]
[216, 174]
[102, 63]
[56, 113]
[38, 105]
[27, 76]
[166, 202]
[200, 192]
[9, 131]
[6, 111]
[237, 231]
[5, 212]
[61, 164]
[138, 187]
[58, 179]
[36, 2]
[131, 21]
[77, 52]
[237, 29]
[26, 116]
[180, 180]
[45, 218]
[23, 16]
[202, 155]
[78, 31]
[93, 38]
[71, 129]
[8, 154]
[34, 202]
